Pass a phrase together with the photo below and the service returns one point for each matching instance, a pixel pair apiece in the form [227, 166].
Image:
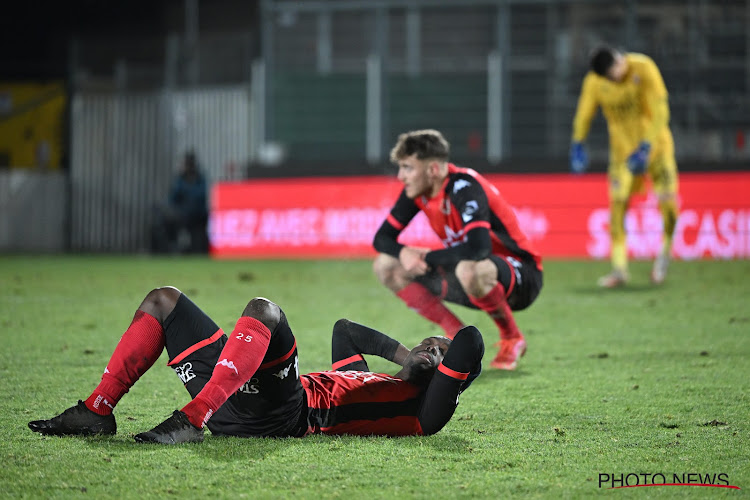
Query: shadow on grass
[629, 288]
[489, 375]
[216, 448]
[231, 449]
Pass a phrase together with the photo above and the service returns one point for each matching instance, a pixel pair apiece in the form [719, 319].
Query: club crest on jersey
[469, 210]
[453, 238]
[460, 184]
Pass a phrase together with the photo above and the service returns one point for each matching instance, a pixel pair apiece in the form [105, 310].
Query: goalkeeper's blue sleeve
[579, 160]
[638, 160]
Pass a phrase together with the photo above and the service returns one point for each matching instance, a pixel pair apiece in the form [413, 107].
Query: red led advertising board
[566, 216]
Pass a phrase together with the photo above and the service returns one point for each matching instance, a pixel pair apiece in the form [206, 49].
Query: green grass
[639, 380]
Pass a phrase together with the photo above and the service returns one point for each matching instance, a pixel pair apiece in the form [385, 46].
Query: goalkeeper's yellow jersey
[636, 109]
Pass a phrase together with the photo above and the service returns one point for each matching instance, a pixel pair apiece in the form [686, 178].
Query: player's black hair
[602, 59]
[424, 143]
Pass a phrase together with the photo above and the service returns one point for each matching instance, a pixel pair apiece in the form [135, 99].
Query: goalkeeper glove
[638, 160]
[579, 160]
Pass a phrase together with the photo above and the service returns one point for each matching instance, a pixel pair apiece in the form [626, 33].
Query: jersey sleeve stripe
[344, 362]
[452, 373]
[393, 222]
[213, 338]
[480, 223]
[279, 360]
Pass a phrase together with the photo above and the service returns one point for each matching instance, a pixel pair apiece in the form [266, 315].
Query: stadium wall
[33, 211]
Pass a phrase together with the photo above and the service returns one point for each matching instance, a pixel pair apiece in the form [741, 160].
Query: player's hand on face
[413, 260]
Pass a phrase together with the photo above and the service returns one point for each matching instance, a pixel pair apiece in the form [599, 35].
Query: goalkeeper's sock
[668, 209]
[496, 305]
[138, 349]
[619, 256]
[238, 361]
[429, 306]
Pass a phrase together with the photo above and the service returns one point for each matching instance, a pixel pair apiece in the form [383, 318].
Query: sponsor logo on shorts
[284, 372]
[516, 268]
[185, 372]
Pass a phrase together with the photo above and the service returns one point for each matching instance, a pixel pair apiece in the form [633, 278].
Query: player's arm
[474, 209]
[351, 340]
[655, 101]
[586, 109]
[461, 365]
[386, 238]
[656, 111]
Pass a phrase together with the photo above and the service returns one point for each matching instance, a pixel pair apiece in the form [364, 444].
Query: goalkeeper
[631, 93]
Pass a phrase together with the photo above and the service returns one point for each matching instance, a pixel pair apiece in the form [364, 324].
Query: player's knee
[264, 311]
[382, 266]
[475, 275]
[471, 339]
[466, 273]
[666, 198]
[159, 302]
[386, 269]
[341, 326]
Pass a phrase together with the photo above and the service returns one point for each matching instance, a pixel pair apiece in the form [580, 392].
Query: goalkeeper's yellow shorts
[662, 169]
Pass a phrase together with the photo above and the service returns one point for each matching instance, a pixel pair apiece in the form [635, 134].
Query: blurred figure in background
[487, 263]
[181, 225]
[631, 92]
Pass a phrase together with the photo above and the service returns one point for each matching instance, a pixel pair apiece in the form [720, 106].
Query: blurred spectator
[180, 225]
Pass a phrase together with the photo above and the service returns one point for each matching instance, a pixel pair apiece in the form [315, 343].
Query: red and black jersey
[466, 201]
[350, 399]
[360, 402]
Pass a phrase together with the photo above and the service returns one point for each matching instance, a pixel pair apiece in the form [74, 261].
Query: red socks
[138, 349]
[238, 361]
[496, 305]
[418, 298]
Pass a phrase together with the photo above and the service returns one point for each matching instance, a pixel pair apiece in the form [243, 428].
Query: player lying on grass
[248, 383]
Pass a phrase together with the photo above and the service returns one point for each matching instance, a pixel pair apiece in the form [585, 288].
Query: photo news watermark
[634, 480]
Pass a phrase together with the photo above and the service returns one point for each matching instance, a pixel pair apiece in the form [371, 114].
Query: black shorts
[521, 279]
[271, 403]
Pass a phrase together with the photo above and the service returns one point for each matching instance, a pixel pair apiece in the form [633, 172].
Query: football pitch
[633, 386]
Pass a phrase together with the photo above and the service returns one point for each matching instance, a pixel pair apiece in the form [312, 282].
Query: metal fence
[125, 150]
[499, 77]
[339, 79]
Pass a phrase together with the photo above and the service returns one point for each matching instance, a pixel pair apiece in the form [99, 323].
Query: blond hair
[425, 144]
